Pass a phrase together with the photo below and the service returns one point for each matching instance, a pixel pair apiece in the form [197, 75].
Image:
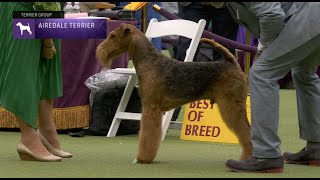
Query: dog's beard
[106, 63]
[103, 58]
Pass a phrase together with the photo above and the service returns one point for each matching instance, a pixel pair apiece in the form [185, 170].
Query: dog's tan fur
[165, 83]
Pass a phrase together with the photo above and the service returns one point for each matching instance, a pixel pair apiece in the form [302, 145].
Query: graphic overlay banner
[202, 122]
[40, 25]
[38, 14]
[24, 29]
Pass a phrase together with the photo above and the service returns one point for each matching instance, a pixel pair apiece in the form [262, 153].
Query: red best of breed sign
[202, 122]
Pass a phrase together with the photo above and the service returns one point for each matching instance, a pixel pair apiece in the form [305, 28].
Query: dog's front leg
[150, 133]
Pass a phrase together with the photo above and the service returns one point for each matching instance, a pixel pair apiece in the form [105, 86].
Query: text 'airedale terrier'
[165, 83]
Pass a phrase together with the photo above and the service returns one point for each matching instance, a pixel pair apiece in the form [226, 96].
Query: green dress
[25, 77]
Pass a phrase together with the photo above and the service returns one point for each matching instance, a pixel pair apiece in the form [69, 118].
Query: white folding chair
[180, 27]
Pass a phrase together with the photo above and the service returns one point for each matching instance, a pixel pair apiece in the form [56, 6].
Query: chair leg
[132, 81]
[166, 119]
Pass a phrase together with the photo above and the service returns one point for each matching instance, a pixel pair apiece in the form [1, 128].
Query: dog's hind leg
[150, 134]
[233, 111]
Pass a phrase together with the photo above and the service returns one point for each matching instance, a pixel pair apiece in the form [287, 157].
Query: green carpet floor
[99, 157]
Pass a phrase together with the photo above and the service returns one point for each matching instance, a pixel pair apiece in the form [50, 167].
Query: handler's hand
[258, 53]
[48, 52]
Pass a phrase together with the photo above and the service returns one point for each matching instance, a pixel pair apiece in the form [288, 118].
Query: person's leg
[31, 147]
[224, 25]
[30, 138]
[47, 129]
[47, 126]
[193, 12]
[264, 94]
[307, 84]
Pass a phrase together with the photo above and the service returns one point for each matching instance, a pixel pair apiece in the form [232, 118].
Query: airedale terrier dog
[166, 83]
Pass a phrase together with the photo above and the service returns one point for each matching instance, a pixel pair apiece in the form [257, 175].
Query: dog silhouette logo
[24, 28]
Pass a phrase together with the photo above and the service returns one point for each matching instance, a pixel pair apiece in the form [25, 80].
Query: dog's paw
[135, 161]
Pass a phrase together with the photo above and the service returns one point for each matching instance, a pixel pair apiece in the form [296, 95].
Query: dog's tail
[225, 52]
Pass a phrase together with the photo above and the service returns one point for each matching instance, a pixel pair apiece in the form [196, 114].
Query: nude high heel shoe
[27, 155]
[53, 150]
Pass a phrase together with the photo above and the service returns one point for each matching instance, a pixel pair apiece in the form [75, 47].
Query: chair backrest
[180, 27]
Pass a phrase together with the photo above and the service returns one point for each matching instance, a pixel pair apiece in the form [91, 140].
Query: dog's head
[18, 24]
[117, 42]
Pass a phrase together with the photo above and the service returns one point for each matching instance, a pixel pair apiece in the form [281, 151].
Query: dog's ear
[126, 29]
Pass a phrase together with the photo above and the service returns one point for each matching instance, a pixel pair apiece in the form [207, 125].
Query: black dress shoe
[306, 157]
[256, 165]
